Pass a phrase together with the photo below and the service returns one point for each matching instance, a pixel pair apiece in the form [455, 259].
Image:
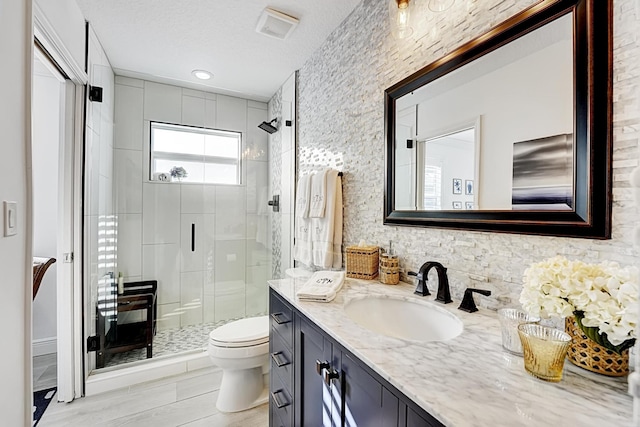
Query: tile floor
[45, 371]
[183, 400]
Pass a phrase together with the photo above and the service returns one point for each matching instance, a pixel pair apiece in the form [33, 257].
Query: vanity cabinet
[282, 363]
[324, 384]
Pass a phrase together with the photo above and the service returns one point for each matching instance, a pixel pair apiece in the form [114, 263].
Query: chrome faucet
[444, 294]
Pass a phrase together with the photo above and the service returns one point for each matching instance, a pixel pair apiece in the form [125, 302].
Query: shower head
[268, 127]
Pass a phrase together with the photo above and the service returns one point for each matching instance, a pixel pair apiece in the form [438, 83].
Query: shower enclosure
[194, 251]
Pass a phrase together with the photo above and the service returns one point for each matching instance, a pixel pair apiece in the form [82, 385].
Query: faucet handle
[468, 304]
[422, 288]
[417, 275]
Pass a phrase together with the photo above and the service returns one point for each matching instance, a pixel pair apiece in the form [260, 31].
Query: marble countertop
[469, 380]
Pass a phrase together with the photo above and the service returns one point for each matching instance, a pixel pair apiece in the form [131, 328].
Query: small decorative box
[362, 262]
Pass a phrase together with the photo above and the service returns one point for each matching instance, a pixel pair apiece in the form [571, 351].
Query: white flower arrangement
[603, 297]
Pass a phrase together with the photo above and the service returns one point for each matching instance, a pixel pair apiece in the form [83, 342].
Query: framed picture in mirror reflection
[468, 187]
[457, 186]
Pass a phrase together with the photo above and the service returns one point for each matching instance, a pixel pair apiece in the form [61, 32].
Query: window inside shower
[208, 156]
[204, 240]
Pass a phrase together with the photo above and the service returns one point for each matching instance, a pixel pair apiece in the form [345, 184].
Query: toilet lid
[242, 333]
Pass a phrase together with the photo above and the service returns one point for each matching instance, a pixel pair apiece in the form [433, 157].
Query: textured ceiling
[164, 40]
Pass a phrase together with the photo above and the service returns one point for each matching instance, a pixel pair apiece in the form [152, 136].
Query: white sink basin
[405, 319]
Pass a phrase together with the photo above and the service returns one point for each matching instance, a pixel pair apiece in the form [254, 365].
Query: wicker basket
[389, 269]
[587, 354]
[362, 262]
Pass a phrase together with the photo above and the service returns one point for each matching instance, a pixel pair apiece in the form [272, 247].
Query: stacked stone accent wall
[341, 124]
[275, 175]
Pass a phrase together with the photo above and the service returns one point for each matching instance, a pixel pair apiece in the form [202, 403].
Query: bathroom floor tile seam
[183, 400]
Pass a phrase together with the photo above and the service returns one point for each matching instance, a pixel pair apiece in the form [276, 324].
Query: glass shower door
[205, 246]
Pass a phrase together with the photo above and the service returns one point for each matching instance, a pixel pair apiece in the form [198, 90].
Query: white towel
[322, 286]
[302, 196]
[303, 246]
[318, 194]
[327, 232]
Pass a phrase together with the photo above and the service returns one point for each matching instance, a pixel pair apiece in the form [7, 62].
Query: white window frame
[153, 155]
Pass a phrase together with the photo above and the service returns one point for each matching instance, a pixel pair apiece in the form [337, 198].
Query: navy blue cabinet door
[366, 402]
[314, 399]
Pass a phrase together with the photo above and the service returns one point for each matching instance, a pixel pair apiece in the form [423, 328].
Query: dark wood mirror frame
[591, 217]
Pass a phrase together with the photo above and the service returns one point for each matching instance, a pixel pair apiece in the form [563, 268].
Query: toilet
[241, 349]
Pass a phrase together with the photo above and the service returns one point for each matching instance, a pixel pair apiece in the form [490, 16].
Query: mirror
[510, 132]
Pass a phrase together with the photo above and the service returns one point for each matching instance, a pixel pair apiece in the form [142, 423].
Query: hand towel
[302, 196]
[322, 286]
[318, 194]
[327, 232]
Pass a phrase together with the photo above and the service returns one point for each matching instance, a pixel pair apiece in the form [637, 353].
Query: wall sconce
[400, 15]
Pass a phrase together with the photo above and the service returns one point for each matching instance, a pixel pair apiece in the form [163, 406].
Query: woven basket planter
[587, 354]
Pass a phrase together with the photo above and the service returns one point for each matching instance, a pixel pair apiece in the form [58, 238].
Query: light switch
[10, 218]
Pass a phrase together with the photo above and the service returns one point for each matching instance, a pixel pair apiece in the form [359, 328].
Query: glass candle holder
[510, 318]
[544, 350]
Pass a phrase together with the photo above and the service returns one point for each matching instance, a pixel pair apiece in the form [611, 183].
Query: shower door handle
[275, 203]
[193, 237]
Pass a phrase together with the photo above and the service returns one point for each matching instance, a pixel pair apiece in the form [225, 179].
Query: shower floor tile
[171, 342]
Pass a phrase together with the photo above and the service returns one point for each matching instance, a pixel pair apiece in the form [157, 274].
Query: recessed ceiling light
[202, 74]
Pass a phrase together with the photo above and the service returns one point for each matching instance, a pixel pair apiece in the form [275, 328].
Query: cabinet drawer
[281, 360]
[274, 419]
[281, 402]
[281, 318]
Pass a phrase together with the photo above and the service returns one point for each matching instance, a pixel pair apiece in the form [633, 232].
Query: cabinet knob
[320, 366]
[330, 374]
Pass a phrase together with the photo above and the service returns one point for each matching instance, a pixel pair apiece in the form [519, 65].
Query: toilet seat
[242, 333]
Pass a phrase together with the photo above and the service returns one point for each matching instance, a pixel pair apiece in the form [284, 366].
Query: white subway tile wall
[208, 282]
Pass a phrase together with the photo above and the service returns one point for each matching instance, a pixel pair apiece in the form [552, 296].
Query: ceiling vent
[276, 24]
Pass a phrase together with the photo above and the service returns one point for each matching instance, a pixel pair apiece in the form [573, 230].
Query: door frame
[69, 289]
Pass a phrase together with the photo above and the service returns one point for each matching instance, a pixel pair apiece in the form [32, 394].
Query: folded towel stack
[322, 286]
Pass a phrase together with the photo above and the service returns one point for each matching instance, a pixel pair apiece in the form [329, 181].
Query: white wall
[46, 143]
[16, 41]
[288, 164]
[441, 153]
[226, 276]
[507, 100]
[69, 24]
[405, 160]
